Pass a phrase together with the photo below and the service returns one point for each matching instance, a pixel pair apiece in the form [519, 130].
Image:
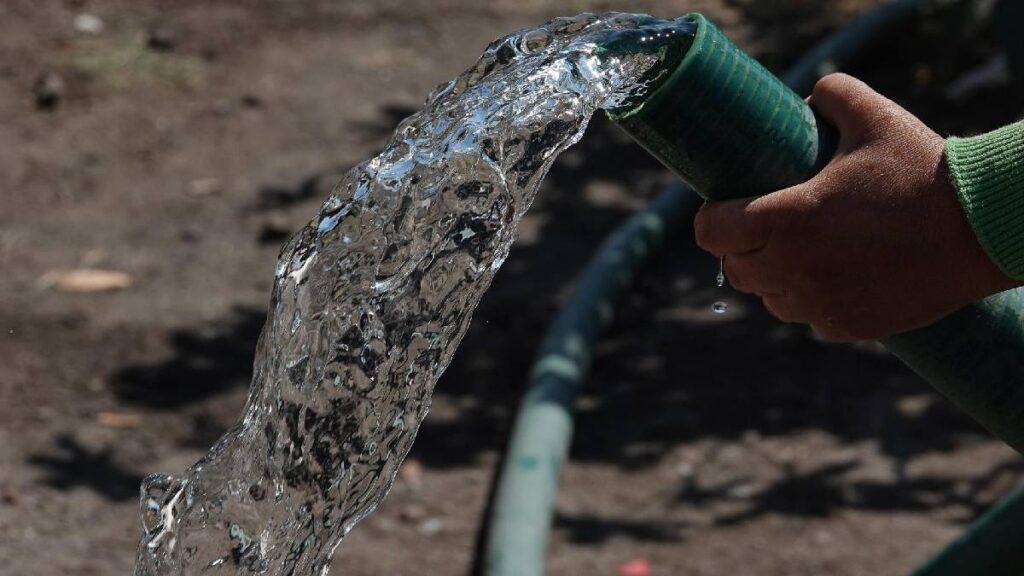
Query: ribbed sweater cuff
[988, 174]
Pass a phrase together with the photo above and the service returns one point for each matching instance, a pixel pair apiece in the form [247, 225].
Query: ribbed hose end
[726, 125]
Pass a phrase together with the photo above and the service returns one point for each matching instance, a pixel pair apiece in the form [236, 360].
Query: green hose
[521, 516]
[849, 43]
[975, 356]
[951, 355]
[991, 546]
[726, 125]
[729, 128]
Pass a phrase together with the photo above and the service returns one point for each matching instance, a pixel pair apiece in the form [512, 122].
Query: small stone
[743, 491]
[684, 470]
[430, 526]
[7, 494]
[88, 24]
[412, 513]
[191, 234]
[250, 100]
[275, 228]
[204, 187]
[161, 39]
[49, 91]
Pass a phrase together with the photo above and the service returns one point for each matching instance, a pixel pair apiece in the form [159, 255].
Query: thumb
[848, 104]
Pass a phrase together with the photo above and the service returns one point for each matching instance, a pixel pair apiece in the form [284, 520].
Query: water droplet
[535, 40]
[720, 307]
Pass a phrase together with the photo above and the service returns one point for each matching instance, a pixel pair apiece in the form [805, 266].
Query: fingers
[755, 273]
[793, 310]
[733, 226]
[783, 307]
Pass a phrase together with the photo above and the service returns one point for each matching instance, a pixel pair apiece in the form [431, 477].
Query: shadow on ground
[668, 373]
[206, 362]
[72, 465]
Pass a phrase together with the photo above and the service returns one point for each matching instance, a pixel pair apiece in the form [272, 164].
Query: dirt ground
[180, 141]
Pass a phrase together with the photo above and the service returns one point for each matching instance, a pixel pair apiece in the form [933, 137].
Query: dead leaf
[86, 280]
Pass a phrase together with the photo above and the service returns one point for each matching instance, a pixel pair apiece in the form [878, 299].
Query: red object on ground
[638, 567]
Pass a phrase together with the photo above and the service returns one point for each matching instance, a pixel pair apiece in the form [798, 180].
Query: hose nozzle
[722, 122]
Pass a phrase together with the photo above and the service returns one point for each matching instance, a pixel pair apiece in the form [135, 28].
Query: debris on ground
[85, 280]
[119, 420]
[49, 90]
[638, 567]
[88, 24]
[161, 39]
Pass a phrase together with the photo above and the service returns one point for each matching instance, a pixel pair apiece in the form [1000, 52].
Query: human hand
[874, 245]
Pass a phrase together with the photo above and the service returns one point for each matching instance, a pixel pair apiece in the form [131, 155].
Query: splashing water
[372, 297]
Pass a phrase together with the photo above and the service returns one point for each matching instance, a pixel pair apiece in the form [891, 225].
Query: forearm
[988, 174]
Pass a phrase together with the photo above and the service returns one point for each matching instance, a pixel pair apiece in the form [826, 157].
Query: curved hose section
[991, 546]
[521, 516]
[846, 45]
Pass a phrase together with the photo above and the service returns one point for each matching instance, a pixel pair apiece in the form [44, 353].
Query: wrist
[987, 172]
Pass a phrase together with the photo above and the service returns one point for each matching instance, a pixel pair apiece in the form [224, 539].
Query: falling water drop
[720, 307]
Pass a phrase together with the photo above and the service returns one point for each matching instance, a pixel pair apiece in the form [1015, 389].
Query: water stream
[373, 295]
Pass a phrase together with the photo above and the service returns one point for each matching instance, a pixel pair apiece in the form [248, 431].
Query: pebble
[88, 24]
[49, 90]
[684, 470]
[431, 526]
[161, 39]
[275, 228]
[204, 187]
[412, 513]
[250, 100]
[7, 494]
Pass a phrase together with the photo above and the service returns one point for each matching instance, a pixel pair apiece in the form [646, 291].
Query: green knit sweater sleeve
[988, 174]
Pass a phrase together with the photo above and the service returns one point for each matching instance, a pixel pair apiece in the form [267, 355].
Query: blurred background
[154, 156]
